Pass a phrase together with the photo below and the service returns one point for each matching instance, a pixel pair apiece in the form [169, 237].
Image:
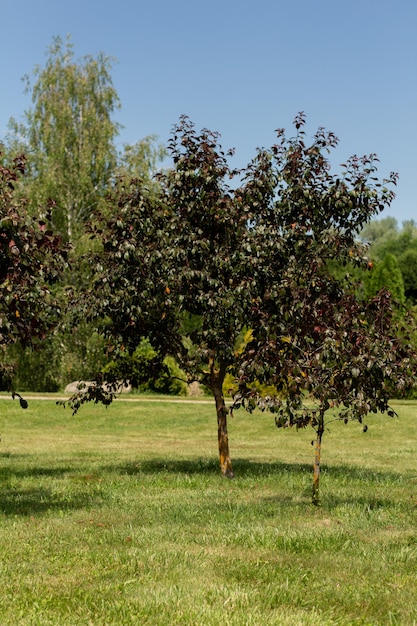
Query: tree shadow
[242, 467]
[6, 473]
[37, 500]
[33, 502]
[252, 469]
[20, 468]
[343, 483]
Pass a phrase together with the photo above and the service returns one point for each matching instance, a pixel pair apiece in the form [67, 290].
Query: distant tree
[377, 231]
[141, 160]
[384, 237]
[69, 135]
[407, 262]
[387, 275]
[32, 259]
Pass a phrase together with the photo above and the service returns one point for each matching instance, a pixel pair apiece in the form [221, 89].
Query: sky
[240, 68]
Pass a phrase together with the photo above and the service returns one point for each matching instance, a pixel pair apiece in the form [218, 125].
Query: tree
[321, 344]
[69, 135]
[387, 275]
[408, 265]
[384, 237]
[196, 266]
[379, 231]
[405, 252]
[341, 359]
[32, 259]
[174, 269]
[141, 160]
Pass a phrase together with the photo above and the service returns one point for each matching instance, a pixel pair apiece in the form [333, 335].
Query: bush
[171, 382]
[147, 373]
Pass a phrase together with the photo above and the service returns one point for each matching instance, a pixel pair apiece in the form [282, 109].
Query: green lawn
[120, 516]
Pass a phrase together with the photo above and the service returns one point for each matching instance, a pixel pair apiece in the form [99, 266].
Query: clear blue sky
[241, 68]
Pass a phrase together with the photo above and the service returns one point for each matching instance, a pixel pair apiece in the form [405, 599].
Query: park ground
[120, 516]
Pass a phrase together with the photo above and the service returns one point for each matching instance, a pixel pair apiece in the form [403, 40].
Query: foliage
[32, 260]
[379, 232]
[196, 265]
[386, 239]
[311, 333]
[36, 370]
[170, 269]
[387, 275]
[389, 239]
[69, 135]
[141, 159]
[408, 266]
[82, 352]
[149, 374]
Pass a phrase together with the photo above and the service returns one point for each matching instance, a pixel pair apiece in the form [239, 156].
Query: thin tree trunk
[317, 459]
[216, 382]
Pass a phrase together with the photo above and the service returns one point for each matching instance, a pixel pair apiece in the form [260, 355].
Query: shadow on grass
[192, 467]
[31, 502]
[244, 468]
[6, 473]
[341, 483]
[39, 499]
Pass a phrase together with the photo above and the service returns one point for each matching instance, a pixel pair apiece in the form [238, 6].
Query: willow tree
[68, 135]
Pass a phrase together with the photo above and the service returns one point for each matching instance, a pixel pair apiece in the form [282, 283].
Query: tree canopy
[32, 259]
[387, 274]
[315, 336]
[69, 135]
[201, 263]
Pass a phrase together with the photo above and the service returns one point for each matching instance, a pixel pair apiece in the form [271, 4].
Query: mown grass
[120, 516]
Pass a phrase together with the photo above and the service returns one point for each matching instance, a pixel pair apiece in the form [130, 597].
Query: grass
[119, 516]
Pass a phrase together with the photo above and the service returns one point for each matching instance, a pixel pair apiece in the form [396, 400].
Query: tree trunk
[216, 383]
[317, 459]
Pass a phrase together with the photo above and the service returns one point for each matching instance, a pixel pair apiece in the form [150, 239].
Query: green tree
[141, 160]
[169, 271]
[387, 275]
[385, 238]
[32, 260]
[379, 231]
[407, 262]
[69, 135]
